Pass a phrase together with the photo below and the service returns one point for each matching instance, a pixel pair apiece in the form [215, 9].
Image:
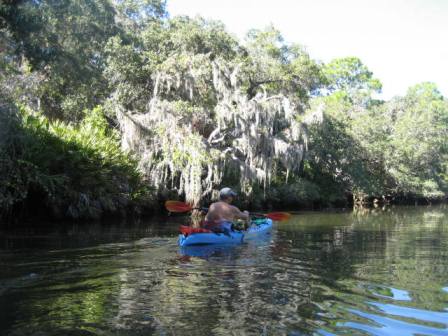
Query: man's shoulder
[221, 204]
[235, 208]
[217, 205]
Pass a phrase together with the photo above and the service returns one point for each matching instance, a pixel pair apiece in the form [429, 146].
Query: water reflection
[367, 272]
[380, 325]
[388, 292]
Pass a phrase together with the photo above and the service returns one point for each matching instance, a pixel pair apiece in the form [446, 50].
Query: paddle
[177, 206]
[275, 216]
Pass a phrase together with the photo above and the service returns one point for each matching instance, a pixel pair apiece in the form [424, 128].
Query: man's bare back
[222, 211]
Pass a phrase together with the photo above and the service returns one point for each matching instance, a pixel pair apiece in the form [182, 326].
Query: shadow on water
[358, 273]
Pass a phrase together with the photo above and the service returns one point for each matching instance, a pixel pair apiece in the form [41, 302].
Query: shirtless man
[222, 214]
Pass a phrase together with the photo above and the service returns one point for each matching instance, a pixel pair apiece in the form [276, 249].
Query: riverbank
[59, 171]
[56, 170]
[127, 107]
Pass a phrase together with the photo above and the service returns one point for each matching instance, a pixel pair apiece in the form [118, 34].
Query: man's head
[227, 195]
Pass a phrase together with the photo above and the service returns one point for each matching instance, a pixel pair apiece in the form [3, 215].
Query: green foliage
[141, 12]
[275, 66]
[418, 150]
[351, 78]
[71, 171]
[203, 107]
[173, 47]
[63, 41]
[299, 192]
[397, 148]
[338, 158]
[350, 74]
[200, 36]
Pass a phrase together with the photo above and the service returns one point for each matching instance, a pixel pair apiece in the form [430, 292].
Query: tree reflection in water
[363, 272]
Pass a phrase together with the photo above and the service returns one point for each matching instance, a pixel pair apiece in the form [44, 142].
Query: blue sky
[403, 42]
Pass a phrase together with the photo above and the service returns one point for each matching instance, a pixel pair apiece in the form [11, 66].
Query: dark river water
[368, 272]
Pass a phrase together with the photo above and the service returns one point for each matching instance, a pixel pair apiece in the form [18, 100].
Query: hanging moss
[189, 146]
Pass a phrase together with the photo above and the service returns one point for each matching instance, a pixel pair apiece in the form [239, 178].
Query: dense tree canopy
[194, 108]
[62, 43]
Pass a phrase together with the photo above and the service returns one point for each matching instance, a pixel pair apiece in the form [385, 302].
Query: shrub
[67, 171]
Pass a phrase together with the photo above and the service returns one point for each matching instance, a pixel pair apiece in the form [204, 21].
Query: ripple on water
[413, 313]
[379, 310]
[376, 324]
[387, 292]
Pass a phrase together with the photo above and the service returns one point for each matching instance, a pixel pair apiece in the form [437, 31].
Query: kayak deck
[258, 227]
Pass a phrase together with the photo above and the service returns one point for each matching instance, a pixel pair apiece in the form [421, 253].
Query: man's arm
[241, 214]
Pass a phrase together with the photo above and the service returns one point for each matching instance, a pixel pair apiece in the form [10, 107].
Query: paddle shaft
[177, 206]
[250, 213]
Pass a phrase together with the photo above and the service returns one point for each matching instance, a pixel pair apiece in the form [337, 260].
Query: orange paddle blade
[278, 216]
[177, 206]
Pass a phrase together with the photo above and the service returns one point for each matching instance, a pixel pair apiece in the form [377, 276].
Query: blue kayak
[258, 227]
